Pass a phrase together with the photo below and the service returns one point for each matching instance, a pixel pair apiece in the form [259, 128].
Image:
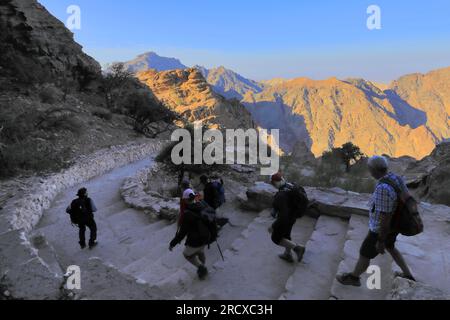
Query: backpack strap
[402, 196]
[391, 183]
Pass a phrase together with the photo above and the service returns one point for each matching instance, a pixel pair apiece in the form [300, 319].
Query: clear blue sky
[265, 39]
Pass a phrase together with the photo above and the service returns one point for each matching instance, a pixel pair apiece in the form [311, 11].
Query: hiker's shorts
[369, 246]
[192, 251]
[282, 231]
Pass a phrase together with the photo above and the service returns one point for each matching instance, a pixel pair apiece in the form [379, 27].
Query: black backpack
[406, 219]
[78, 210]
[206, 221]
[298, 199]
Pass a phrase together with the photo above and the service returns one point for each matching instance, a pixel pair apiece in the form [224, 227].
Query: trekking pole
[220, 251]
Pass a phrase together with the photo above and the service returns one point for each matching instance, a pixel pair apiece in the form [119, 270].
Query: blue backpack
[220, 192]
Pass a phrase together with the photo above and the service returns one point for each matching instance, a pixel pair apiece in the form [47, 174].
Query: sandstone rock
[404, 289]
[187, 93]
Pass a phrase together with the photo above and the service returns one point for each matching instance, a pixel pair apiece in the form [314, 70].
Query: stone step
[357, 231]
[157, 244]
[313, 277]
[183, 278]
[252, 268]
[171, 271]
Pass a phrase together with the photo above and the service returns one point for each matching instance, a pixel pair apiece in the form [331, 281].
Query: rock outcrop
[187, 93]
[150, 192]
[37, 47]
[430, 177]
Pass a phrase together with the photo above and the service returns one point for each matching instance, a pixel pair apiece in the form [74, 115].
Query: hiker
[186, 190]
[213, 192]
[287, 205]
[81, 211]
[381, 237]
[199, 232]
[214, 195]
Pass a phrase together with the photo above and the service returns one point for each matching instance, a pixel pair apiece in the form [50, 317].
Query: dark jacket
[193, 228]
[211, 195]
[286, 216]
[83, 208]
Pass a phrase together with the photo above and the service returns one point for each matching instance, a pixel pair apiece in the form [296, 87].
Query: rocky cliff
[187, 93]
[36, 47]
[229, 83]
[430, 177]
[328, 113]
[429, 93]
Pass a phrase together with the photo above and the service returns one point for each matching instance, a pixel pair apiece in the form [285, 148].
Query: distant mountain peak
[151, 60]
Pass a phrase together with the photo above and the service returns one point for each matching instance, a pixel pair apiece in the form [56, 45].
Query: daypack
[215, 194]
[406, 219]
[79, 210]
[206, 221]
[298, 199]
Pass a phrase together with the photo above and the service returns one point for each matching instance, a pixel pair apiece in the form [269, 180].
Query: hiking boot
[299, 251]
[202, 272]
[286, 257]
[82, 245]
[404, 276]
[347, 279]
[92, 245]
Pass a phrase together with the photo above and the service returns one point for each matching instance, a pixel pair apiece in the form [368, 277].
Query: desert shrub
[102, 113]
[49, 94]
[142, 107]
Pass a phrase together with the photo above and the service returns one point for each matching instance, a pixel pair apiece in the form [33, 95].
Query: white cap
[187, 193]
[378, 162]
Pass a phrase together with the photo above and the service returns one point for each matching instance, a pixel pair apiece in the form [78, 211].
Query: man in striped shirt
[380, 238]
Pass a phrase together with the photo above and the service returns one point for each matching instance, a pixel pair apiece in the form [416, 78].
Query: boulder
[332, 202]
[257, 197]
[136, 195]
